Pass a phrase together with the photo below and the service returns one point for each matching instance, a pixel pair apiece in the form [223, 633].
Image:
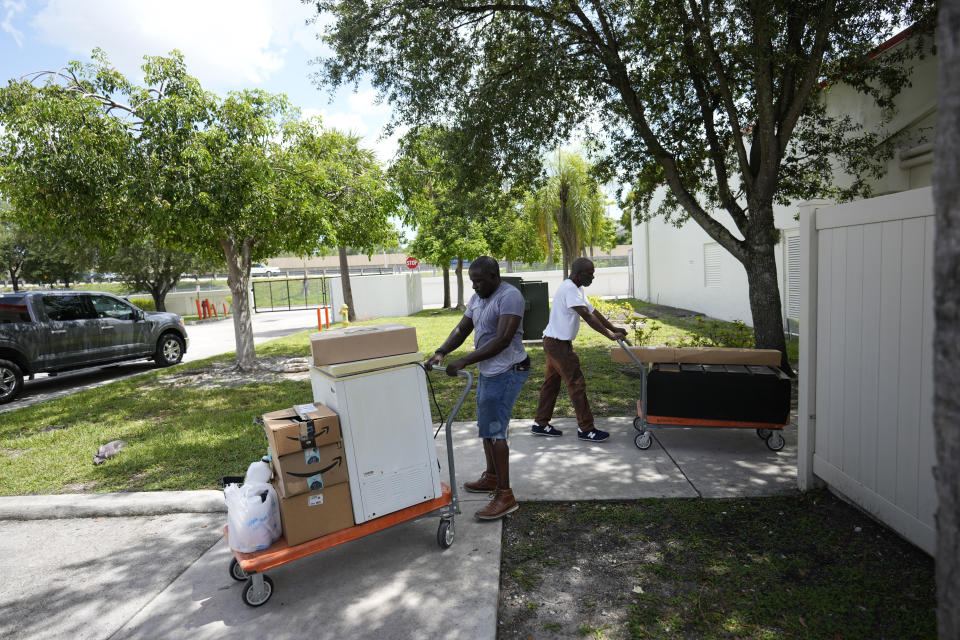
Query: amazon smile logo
[336, 463]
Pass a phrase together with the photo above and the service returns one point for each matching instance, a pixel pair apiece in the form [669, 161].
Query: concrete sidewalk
[151, 571]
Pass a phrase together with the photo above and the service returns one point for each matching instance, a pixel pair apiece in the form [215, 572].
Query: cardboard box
[717, 355]
[283, 428]
[317, 513]
[698, 355]
[361, 343]
[643, 354]
[310, 469]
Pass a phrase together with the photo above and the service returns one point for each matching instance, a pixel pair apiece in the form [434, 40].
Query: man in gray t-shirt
[494, 314]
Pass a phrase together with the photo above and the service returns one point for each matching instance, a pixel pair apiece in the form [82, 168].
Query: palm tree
[572, 204]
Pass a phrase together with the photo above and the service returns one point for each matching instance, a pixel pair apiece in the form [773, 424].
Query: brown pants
[563, 363]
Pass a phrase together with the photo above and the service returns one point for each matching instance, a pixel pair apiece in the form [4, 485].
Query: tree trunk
[159, 291]
[509, 266]
[765, 304]
[345, 283]
[460, 304]
[946, 340]
[446, 286]
[238, 279]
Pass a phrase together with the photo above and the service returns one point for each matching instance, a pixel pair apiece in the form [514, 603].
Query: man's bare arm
[507, 326]
[454, 340]
[599, 324]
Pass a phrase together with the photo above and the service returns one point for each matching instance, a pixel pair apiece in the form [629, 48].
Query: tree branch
[701, 19]
[717, 152]
[789, 121]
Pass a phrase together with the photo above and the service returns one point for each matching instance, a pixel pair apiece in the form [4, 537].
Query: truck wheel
[169, 350]
[11, 381]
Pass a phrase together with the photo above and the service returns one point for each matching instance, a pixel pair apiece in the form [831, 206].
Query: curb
[78, 505]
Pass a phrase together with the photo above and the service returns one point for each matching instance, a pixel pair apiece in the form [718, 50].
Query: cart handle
[624, 343]
[463, 373]
[454, 500]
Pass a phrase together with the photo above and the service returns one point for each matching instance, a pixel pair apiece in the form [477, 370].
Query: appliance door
[386, 424]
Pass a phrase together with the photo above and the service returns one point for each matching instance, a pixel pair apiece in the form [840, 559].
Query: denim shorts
[495, 398]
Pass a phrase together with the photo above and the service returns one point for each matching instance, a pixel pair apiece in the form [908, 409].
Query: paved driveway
[206, 339]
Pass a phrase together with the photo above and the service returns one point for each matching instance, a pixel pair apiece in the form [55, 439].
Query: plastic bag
[258, 472]
[253, 516]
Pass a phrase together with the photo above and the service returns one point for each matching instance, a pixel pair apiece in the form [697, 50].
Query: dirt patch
[801, 566]
[12, 453]
[221, 375]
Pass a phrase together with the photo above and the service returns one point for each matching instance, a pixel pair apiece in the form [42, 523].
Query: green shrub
[715, 333]
[643, 330]
[146, 304]
[613, 310]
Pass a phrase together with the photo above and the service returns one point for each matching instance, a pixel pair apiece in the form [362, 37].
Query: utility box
[537, 313]
[391, 457]
[536, 308]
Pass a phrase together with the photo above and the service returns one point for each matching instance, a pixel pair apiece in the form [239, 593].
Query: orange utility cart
[250, 567]
[709, 387]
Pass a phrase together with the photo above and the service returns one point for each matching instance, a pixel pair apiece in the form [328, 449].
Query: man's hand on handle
[618, 334]
[435, 360]
[452, 369]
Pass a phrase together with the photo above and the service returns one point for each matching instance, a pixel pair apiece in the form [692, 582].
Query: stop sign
[412, 262]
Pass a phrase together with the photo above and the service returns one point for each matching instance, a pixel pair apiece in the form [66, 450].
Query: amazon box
[362, 343]
[698, 355]
[310, 469]
[284, 428]
[721, 355]
[316, 513]
[644, 354]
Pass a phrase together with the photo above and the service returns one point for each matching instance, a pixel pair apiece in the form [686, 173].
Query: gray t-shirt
[485, 313]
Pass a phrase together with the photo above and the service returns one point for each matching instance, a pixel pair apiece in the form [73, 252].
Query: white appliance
[387, 431]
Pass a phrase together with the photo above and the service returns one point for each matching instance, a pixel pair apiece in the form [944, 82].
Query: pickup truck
[54, 331]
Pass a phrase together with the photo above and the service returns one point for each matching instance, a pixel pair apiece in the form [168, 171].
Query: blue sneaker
[548, 430]
[594, 435]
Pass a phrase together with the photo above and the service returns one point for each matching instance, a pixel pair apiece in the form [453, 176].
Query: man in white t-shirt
[569, 305]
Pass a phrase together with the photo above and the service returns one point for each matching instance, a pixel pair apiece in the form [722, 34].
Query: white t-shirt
[564, 321]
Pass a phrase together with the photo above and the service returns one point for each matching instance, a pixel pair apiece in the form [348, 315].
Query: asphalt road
[206, 339]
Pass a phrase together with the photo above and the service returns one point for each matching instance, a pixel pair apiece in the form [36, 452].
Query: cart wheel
[775, 441]
[763, 434]
[638, 424]
[643, 440]
[255, 596]
[445, 533]
[237, 572]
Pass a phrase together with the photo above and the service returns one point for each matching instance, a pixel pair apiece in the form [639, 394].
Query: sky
[227, 44]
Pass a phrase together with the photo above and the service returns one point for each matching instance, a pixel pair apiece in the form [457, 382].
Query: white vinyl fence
[866, 361]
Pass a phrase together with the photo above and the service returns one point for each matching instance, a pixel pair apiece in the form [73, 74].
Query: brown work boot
[486, 483]
[502, 504]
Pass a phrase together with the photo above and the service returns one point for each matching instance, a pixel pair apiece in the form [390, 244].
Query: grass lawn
[181, 434]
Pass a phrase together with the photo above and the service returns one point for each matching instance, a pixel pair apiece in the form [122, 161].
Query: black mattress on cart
[743, 393]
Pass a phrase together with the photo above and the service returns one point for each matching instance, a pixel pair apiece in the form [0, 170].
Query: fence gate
[866, 365]
[289, 293]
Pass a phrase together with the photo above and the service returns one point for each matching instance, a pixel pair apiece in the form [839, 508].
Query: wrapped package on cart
[310, 471]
